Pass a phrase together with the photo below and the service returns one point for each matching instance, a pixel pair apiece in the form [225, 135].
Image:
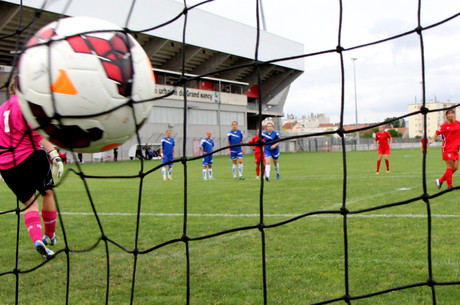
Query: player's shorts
[384, 151]
[450, 155]
[167, 158]
[258, 157]
[207, 160]
[236, 154]
[31, 175]
[274, 154]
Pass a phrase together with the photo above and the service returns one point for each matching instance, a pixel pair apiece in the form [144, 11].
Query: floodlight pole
[264, 26]
[356, 100]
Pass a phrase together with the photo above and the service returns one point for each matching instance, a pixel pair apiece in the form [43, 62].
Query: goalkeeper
[25, 168]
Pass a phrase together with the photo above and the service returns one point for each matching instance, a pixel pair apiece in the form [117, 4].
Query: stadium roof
[212, 42]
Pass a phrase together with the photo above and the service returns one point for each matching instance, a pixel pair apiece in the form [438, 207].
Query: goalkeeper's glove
[58, 165]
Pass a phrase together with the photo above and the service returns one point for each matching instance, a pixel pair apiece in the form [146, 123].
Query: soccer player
[235, 136]
[382, 137]
[25, 167]
[271, 151]
[258, 154]
[450, 132]
[207, 146]
[167, 153]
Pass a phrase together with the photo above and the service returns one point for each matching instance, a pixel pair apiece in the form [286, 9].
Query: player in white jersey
[271, 150]
[206, 147]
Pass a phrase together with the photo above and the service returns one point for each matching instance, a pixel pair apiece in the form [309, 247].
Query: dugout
[147, 151]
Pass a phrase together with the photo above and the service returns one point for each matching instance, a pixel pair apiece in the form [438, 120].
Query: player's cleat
[204, 179]
[439, 184]
[235, 178]
[170, 178]
[212, 178]
[377, 172]
[164, 179]
[388, 171]
[277, 175]
[49, 241]
[43, 250]
[241, 178]
[267, 179]
[257, 178]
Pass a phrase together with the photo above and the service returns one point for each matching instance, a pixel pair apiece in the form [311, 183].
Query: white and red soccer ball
[80, 80]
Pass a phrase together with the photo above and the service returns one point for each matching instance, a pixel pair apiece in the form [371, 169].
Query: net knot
[185, 238]
[341, 131]
[431, 282]
[424, 110]
[261, 226]
[425, 197]
[183, 160]
[419, 29]
[344, 211]
[339, 49]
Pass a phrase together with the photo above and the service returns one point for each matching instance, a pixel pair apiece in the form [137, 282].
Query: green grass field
[305, 262]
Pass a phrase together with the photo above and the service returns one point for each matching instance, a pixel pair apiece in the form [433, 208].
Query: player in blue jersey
[207, 146]
[271, 151]
[235, 136]
[167, 153]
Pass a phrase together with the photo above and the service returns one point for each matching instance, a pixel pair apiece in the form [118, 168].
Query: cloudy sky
[388, 75]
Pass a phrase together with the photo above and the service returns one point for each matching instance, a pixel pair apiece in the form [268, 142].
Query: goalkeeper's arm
[58, 165]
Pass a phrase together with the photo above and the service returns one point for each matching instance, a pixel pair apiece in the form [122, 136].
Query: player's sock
[277, 168]
[234, 170]
[240, 169]
[387, 162]
[170, 172]
[33, 225]
[448, 174]
[204, 174]
[163, 172]
[378, 165]
[210, 173]
[267, 171]
[258, 171]
[49, 220]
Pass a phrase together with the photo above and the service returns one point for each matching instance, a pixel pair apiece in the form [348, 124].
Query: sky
[387, 77]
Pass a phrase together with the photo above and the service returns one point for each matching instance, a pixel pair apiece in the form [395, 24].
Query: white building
[434, 119]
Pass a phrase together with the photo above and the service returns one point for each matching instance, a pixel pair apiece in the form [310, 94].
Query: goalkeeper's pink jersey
[13, 134]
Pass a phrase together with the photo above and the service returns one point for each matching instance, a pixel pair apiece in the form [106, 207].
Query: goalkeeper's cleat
[377, 172]
[438, 184]
[43, 250]
[49, 241]
[388, 171]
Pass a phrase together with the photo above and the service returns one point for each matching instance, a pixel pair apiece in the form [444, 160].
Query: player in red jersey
[384, 147]
[450, 132]
[259, 154]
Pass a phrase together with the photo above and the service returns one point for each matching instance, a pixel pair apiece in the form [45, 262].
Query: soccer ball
[85, 84]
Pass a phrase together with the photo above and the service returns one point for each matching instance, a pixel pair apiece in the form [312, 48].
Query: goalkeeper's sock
[49, 220]
[33, 225]
[378, 165]
[258, 171]
[387, 162]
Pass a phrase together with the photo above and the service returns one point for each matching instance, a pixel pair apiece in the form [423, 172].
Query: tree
[397, 123]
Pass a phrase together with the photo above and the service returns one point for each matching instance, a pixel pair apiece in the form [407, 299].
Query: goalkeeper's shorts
[31, 175]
